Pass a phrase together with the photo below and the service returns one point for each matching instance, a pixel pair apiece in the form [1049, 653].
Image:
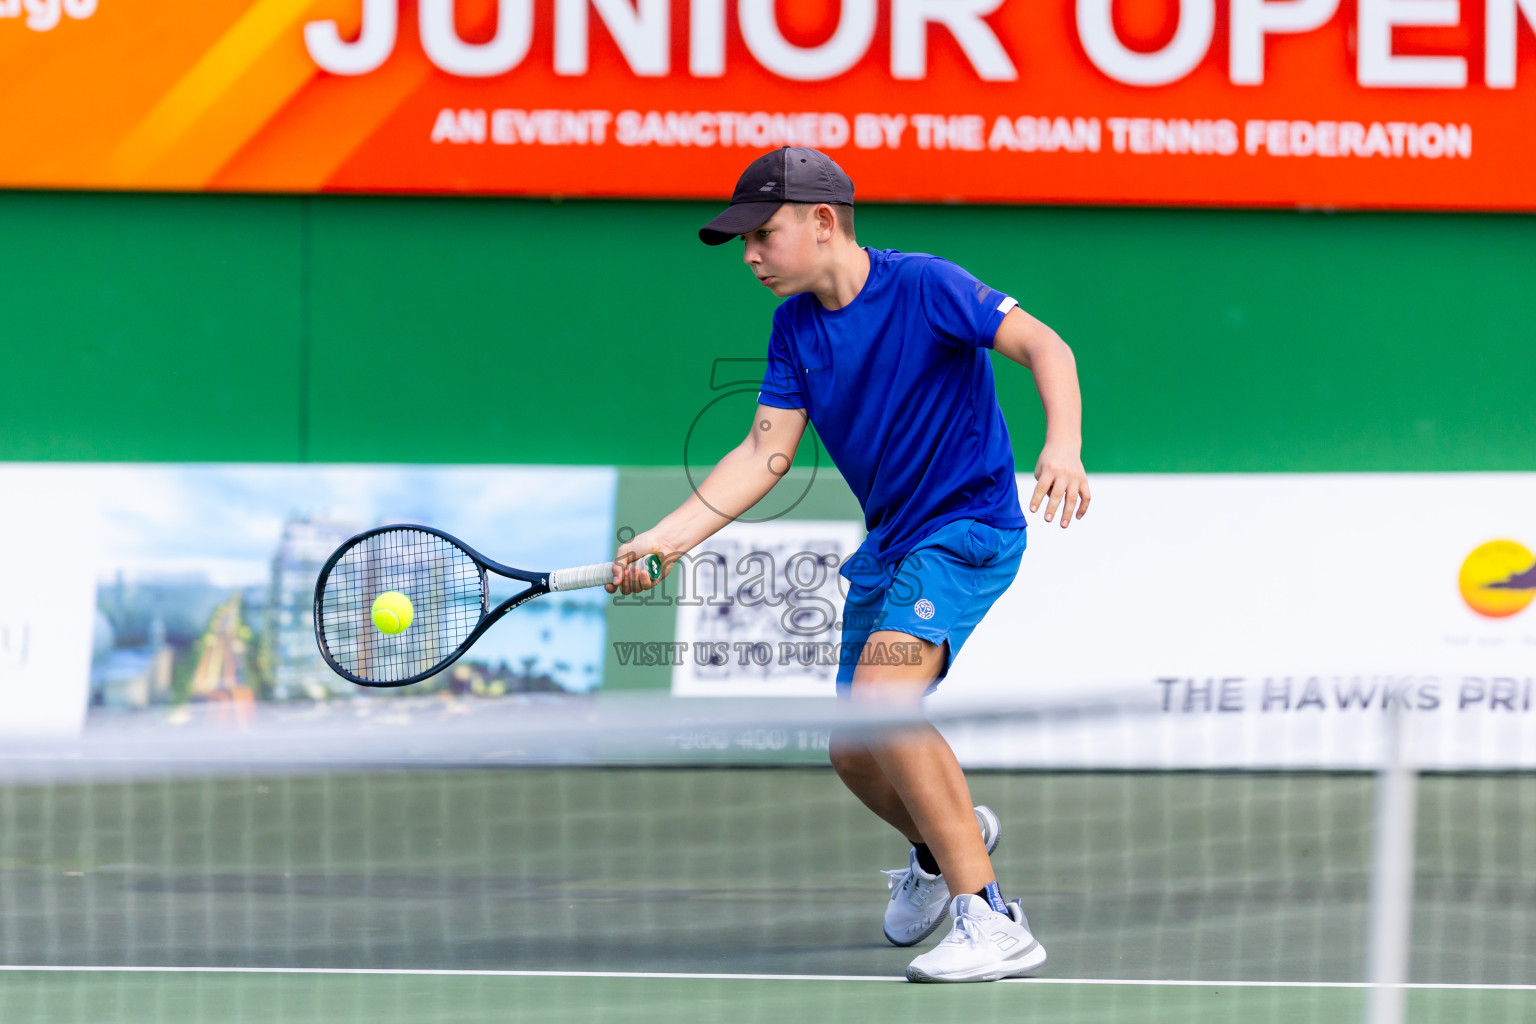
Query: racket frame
[488, 616]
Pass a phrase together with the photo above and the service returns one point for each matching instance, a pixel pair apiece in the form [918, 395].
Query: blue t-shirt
[898, 385]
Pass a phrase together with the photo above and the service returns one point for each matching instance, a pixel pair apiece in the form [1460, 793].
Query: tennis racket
[450, 596]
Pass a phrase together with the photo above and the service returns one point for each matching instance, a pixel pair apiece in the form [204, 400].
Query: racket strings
[446, 589]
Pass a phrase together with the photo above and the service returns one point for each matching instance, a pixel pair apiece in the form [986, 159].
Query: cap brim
[738, 219]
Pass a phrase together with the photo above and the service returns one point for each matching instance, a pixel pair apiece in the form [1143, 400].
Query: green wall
[179, 328]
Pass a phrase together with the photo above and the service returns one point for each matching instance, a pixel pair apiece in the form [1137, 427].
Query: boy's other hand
[1060, 477]
[629, 573]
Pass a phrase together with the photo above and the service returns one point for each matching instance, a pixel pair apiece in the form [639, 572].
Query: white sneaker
[918, 899]
[983, 945]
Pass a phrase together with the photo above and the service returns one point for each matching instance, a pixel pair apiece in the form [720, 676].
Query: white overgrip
[581, 576]
[594, 575]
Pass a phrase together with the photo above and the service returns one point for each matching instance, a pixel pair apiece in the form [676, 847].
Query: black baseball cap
[792, 174]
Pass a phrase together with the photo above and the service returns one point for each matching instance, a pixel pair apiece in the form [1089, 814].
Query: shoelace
[964, 933]
[920, 887]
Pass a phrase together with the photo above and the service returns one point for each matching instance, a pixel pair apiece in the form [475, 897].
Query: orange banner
[1353, 103]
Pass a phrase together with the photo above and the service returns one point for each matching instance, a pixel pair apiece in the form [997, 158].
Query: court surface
[1172, 896]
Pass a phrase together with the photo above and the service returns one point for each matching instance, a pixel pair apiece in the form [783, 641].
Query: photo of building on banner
[1227, 102]
[204, 585]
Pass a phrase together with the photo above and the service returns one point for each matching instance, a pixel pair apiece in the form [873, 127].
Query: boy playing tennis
[886, 353]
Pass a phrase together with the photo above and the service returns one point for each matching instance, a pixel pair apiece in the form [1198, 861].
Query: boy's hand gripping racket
[449, 599]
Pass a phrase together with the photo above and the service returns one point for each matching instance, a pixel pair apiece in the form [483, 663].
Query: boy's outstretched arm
[1059, 473]
[738, 481]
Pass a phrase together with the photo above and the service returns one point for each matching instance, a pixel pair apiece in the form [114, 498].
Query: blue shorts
[938, 591]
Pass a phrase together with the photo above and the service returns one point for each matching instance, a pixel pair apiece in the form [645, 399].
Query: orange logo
[1498, 579]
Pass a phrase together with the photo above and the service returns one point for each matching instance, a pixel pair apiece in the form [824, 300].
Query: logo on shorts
[924, 609]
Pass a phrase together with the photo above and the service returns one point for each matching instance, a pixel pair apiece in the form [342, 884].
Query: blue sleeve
[781, 382]
[961, 310]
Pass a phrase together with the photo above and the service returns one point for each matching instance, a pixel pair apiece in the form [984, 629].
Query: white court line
[410, 972]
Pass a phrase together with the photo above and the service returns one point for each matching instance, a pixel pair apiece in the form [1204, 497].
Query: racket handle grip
[595, 575]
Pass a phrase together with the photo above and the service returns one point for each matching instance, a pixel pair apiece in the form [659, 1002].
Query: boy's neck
[844, 277]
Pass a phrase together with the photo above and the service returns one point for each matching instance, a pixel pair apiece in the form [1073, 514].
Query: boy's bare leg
[919, 787]
[865, 779]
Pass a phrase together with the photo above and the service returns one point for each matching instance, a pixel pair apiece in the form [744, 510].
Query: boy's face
[786, 252]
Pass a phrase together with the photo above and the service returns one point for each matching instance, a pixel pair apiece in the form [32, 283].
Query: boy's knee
[849, 757]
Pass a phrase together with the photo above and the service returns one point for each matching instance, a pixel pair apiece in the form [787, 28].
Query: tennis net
[693, 839]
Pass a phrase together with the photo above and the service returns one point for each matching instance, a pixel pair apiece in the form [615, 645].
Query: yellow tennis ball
[392, 612]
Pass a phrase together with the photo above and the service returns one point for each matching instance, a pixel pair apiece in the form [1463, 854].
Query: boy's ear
[826, 223]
